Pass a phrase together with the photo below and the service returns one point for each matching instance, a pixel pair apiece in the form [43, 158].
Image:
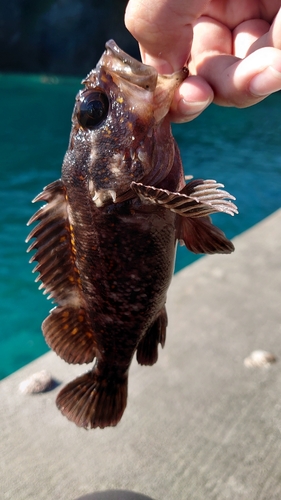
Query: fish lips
[160, 88]
[129, 68]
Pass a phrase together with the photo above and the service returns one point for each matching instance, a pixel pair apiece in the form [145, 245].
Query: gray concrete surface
[199, 424]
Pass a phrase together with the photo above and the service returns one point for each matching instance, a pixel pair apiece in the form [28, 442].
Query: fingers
[190, 99]
[263, 35]
[247, 37]
[268, 80]
[275, 31]
[235, 82]
[237, 67]
[245, 82]
[163, 30]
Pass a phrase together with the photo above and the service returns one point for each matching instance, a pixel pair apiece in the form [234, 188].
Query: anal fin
[147, 350]
[68, 333]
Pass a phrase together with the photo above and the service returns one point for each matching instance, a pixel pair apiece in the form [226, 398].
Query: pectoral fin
[201, 236]
[193, 204]
[197, 199]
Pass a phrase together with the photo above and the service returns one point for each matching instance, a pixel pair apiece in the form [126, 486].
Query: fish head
[119, 133]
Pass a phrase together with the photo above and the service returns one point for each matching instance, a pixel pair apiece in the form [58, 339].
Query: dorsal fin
[67, 330]
[55, 247]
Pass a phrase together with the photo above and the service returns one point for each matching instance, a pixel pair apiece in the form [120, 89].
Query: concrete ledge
[199, 424]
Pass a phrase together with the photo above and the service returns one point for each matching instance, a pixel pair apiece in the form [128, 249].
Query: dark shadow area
[60, 37]
[53, 385]
[115, 495]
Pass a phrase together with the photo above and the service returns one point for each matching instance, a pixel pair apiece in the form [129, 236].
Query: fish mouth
[129, 68]
[123, 68]
[143, 76]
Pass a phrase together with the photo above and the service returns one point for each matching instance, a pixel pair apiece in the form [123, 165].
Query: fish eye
[92, 109]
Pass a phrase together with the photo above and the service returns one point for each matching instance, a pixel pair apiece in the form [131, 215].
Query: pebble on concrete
[259, 359]
[36, 383]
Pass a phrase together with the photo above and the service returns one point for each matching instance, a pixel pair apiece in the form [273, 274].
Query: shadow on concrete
[53, 385]
[115, 495]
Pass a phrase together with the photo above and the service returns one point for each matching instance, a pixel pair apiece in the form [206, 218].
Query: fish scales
[105, 240]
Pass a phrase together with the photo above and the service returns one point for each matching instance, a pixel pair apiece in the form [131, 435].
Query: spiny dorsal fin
[66, 329]
[55, 247]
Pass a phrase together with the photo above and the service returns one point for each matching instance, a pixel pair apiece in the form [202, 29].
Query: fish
[106, 236]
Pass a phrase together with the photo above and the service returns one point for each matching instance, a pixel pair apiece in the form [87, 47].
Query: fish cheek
[131, 137]
[128, 161]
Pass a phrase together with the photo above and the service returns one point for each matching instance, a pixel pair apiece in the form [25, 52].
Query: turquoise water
[240, 148]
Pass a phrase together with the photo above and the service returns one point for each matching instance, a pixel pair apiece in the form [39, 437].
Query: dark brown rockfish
[105, 240]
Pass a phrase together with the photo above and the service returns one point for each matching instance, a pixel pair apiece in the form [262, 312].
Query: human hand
[233, 49]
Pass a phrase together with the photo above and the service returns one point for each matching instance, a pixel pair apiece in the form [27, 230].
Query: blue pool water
[241, 148]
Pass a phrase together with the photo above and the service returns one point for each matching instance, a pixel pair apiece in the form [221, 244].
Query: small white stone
[36, 383]
[259, 359]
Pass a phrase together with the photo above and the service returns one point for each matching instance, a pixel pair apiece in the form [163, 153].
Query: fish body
[105, 240]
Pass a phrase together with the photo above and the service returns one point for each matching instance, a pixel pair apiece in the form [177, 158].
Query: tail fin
[92, 401]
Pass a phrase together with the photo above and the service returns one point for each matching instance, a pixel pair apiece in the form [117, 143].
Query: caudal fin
[92, 401]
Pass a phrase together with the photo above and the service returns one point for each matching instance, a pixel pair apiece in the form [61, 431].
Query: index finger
[163, 29]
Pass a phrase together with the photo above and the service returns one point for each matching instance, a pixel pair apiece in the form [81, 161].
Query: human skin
[232, 49]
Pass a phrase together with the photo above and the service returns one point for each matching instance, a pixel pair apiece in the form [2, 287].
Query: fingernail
[192, 107]
[266, 82]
